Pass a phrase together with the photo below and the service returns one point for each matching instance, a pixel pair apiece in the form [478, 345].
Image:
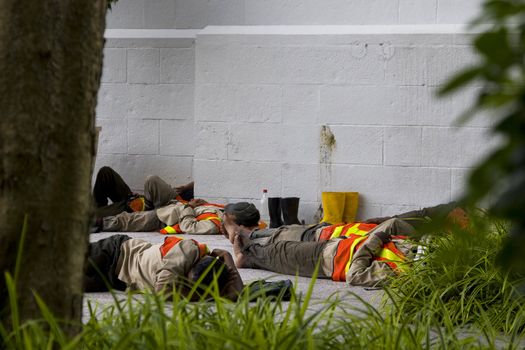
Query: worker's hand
[195, 202]
[234, 284]
[223, 255]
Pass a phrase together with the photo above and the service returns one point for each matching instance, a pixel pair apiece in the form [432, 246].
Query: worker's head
[238, 216]
[208, 269]
[243, 214]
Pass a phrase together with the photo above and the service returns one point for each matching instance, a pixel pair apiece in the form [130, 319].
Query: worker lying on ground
[194, 217]
[359, 259]
[124, 263]
[246, 216]
[110, 185]
[161, 208]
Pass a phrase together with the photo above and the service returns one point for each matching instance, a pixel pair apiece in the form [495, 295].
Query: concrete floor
[322, 290]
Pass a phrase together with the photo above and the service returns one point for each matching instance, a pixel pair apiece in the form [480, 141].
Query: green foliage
[149, 321]
[501, 73]
[458, 283]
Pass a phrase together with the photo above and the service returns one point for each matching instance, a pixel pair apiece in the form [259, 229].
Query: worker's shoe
[290, 208]
[274, 210]
[333, 207]
[350, 208]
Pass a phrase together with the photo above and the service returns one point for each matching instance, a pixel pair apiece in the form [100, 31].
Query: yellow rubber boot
[351, 205]
[333, 207]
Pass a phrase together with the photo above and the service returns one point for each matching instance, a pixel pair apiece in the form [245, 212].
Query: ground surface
[322, 290]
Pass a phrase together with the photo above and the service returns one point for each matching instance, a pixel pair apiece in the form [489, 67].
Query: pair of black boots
[289, 208]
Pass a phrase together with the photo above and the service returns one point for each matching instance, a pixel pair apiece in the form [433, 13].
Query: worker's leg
[394, 227]
[438, 211]
[157, 192]
[283, 233]
[419, 218]
[112, 209]
[285, 257]
[133, 222]
[109, 184]
[101, 265]
[312, 233]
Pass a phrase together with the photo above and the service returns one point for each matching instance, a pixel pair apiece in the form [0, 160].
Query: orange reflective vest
[174, 229]
[345, 230]
[137, 204]
[170, 242]
[347, 247]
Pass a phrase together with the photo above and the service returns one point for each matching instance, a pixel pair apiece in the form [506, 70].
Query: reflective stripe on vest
[170, 242]
[345, 251]
[392, 256]
[203, 248]
[345, 230]
[211, 217]
[171, 230]
[347, 247]
[137, 204]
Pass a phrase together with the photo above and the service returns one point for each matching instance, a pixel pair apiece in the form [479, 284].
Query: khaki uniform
[141, 265]
[171, 214]
[295, 257]
[121, 262]
[187, 218]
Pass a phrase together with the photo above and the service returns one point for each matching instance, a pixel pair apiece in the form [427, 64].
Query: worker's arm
[175, 266]
[234, 284]
[364, 270]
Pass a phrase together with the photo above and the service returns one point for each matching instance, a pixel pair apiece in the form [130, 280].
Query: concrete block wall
[241, 108]
[263, 95]
[200, 13]
[145, 105]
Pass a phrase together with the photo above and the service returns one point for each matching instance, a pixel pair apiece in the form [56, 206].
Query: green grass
[459, 282]
[455, 298]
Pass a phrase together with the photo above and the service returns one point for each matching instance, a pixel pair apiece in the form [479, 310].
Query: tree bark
[50, 67]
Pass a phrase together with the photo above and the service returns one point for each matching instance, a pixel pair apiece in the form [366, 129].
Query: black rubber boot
[274, 209]
[290, 208]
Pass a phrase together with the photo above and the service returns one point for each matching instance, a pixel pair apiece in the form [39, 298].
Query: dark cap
[246, 214]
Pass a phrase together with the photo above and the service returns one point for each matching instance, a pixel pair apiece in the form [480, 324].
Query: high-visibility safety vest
[175, 229]
[171, 242]
[137, 203]
[347, 247]
[345, 230]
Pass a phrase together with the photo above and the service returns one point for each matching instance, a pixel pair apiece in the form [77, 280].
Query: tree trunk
[50, 67]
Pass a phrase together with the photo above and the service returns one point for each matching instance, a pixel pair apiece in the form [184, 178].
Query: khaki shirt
[141, 265]
[184, 215]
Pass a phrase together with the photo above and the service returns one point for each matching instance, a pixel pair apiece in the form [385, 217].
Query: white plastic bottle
[263, 207]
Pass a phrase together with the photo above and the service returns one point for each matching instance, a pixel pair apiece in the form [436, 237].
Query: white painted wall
[200, 13]
[263, 94]
[240, 108]
[145, 105]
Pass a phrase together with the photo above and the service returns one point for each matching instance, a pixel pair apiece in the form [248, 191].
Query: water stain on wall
[326, 149]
